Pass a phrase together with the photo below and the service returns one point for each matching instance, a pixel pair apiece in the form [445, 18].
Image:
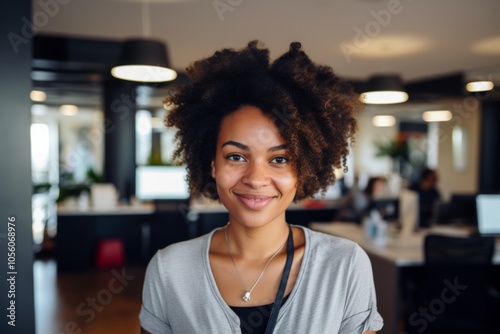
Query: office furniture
[461, 209]
[144, 229]
[78, 233]
[455, 286]
[390, 263]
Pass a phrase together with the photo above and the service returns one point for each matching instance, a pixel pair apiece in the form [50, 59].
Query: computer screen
[462, 209]
[488, 214]
[161, 183]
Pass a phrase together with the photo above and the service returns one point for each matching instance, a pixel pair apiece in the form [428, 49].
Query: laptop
[488, 214]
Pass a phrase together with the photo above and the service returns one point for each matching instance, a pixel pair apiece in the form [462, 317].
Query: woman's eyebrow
[246, 148]
[238, 145]
[277, 148]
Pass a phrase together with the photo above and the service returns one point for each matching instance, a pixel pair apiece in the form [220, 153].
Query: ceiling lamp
[384, 89]
[68, 110]
[437, 116]
[144, 59]
[479, 86]
[384, 121]
[38, 96]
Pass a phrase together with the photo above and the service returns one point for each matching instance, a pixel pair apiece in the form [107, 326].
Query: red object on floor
[110, 253]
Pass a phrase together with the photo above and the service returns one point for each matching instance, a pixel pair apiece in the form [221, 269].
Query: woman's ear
[213, 169]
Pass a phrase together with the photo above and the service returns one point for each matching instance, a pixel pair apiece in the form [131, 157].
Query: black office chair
[453, 295]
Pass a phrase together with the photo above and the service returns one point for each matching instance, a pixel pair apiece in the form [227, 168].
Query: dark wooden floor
[104, 301]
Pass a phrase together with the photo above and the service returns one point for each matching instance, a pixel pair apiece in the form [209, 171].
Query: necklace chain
[246, 296]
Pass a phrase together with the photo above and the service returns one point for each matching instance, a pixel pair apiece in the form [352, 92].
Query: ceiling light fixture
[68, 110]
[479, 86]
[144, 59]
[437, 116]
[383, 121]
[38, 96]
[384, 89]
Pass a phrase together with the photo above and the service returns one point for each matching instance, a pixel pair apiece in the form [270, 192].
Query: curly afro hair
[312, 108]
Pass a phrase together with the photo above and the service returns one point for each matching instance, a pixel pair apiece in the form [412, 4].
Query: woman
[257, 137]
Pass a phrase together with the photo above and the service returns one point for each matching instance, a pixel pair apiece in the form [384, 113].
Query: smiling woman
[258, 136]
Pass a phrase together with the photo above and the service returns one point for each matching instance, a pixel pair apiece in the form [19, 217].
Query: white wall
[364, 151]
[466, 113]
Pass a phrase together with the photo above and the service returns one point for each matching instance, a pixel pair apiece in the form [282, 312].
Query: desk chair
[453, 294]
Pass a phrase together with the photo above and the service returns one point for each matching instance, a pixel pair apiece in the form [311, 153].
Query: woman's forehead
[249, 125]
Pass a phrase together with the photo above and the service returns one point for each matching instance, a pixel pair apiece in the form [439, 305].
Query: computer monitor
[488, 214]
[161, 183]
[462, 209]
[388, 208]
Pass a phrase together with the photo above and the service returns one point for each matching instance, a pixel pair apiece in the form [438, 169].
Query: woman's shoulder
[328, 246]
[184, 251]
[328, 240]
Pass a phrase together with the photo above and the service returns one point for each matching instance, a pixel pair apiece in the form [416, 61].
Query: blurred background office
[104, 194]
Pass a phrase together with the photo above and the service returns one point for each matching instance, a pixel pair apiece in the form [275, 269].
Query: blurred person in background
[356, 204]
[428, 196]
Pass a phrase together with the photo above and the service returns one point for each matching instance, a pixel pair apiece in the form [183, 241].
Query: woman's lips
[254, 202]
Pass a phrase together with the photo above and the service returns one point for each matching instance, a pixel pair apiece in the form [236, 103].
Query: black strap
[273, 317]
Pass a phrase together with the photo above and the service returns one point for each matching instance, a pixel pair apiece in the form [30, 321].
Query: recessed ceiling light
[479, 86]
[437, 116]
[68, 109]
[383, 120]
[38, 96]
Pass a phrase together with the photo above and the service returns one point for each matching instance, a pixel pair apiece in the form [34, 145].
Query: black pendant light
[144, 59]
[384, 89]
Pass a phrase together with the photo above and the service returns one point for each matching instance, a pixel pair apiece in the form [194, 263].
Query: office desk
[388, 263]
[142, 230]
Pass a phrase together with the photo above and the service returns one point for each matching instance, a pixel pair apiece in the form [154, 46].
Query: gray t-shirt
[333, 293]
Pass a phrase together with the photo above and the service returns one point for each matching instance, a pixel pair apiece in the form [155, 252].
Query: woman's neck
[256, 243]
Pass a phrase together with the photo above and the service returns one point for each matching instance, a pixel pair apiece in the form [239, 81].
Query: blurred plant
[68, 188]
[398, 151]
[93, 177]
[393, 149]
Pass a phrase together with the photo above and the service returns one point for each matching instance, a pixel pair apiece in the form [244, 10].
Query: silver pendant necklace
[246, 296]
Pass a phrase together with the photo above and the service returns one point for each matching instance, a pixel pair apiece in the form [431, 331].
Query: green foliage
[92, 177]
[392, 149]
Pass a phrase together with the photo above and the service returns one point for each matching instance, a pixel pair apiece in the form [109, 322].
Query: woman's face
[252, 168]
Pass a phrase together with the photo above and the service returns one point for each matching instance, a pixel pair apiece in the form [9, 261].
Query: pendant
[246, 297]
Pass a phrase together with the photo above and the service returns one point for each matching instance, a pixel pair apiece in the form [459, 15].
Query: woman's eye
[280, 160]
[235, 157]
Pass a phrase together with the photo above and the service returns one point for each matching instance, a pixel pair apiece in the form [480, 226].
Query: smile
[254, 202]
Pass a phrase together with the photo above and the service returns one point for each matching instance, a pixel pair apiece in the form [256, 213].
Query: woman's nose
[256, 175]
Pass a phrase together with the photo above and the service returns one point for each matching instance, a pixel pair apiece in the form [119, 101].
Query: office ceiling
[419, 39]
